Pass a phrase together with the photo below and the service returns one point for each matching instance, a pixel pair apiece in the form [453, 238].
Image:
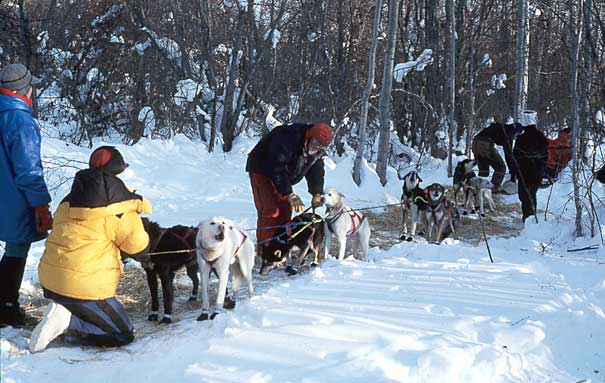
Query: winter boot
[11, 274]
[55, 322]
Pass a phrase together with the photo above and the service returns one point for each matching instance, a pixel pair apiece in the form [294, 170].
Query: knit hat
[528, 118]
[109, 159]
[17, 77]
[321, 132]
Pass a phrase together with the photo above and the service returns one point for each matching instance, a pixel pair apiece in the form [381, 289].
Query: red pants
[272, 208]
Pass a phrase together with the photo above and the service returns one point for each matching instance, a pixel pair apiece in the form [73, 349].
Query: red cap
[108, 158]
[321, 132]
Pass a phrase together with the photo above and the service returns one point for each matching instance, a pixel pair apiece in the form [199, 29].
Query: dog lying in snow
[178, 239]
[304, 235]
[440, 217]
[413, 201]
[227, 251]
[343, 223]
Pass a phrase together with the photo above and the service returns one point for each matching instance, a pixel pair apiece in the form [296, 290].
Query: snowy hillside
[415, 313]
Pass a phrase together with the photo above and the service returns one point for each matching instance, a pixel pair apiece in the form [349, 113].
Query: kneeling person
[81, 265]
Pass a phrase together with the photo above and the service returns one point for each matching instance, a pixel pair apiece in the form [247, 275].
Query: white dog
[344, 223]
[229, 253]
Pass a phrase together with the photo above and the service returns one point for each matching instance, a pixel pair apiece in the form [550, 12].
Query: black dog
[305, 232]
[462, 174]
[177, 245]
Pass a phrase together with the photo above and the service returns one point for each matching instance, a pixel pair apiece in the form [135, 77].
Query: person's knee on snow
[97, 195]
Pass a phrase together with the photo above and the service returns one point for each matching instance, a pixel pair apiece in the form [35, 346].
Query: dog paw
[166, 320]
[152, 317]
[291, 270]
[192, 299]
[464, 212]
[229, 303]
[314, 264]
[403, 237]
[203, 316]
[483, 215]
[214, 315]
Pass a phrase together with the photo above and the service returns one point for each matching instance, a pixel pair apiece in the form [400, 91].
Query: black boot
[11, 274]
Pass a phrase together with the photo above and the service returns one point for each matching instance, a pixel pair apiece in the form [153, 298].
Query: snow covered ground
[415, 313]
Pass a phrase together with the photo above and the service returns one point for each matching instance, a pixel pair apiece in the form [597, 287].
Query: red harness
[356, 220]
[238, 248]
[354, 227]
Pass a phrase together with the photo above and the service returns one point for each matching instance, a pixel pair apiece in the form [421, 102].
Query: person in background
[531, 152]
[24, 199]
[559, 153]
[81, 265]
[486, 153]
[282, 158]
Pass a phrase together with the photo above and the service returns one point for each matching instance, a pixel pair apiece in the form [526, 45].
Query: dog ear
[277, 254]
[341, 195]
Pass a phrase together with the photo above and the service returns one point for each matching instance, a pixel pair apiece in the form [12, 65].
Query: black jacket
[279, 156]
[502, 135]
[94, 188]
[531, 152]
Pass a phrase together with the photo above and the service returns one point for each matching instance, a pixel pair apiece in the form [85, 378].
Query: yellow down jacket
[98, 219]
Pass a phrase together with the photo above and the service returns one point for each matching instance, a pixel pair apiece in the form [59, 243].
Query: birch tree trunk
[229, 120]
[522, 75]
[586, 117]
[575, 33]
[452, 123]
[384, 103]
[365, 98]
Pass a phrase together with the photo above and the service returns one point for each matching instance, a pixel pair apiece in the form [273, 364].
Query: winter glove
[296, 203]
[316, 201]
[44, 220]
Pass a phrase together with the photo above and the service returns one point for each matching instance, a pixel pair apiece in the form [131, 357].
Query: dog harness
[466, 179]
[416, 196]
[237, 249]
[235, 253]
[356, 220]
[447, 209]
[182, 238]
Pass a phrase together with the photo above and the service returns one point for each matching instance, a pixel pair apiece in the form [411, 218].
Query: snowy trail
[399, 318]
[415, 313]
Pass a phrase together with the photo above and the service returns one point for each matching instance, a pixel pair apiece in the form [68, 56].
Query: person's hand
[316, 201]
[296, 203]
[44, 220]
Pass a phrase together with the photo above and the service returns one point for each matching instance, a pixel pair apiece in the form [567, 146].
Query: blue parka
[22, 183]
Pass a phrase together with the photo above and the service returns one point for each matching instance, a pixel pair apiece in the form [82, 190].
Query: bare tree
[575, 33]
[385, 93]
[452, 121]
[365, 98]
[522, 58]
